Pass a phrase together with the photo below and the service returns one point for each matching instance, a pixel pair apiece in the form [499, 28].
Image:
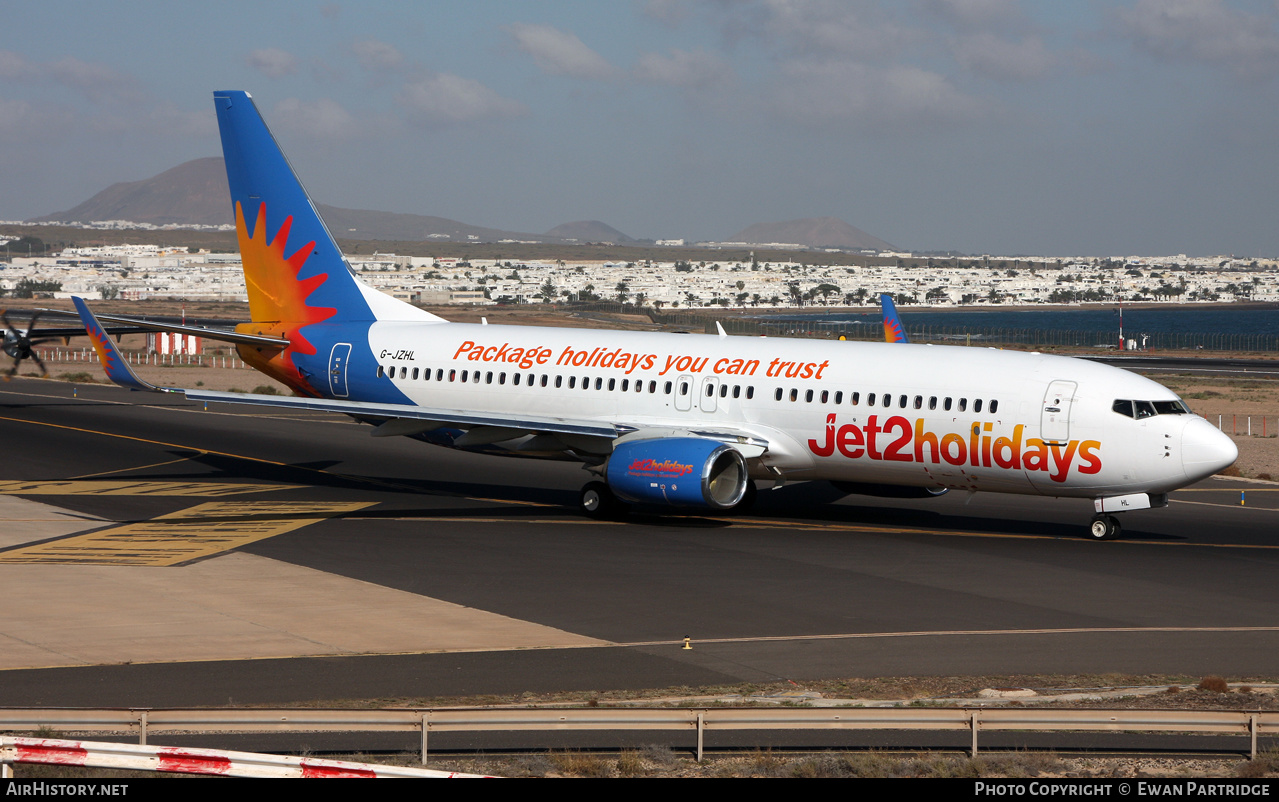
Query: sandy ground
[239, 379]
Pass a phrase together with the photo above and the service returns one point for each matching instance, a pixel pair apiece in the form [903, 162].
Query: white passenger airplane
[687, 421]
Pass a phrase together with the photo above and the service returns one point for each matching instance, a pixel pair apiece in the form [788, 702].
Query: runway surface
[1263, 369]
[153, 553]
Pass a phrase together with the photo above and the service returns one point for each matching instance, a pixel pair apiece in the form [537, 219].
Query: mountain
[814, 232]
[196, 193]
[588, 231]
[367, 224]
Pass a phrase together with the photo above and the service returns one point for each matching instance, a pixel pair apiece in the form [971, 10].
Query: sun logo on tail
[277, 296]
[98, 337]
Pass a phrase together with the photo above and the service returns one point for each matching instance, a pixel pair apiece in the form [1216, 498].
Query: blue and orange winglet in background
[112, 361]
[894, 331]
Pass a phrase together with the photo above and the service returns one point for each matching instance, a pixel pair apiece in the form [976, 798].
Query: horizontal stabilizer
[133, 325]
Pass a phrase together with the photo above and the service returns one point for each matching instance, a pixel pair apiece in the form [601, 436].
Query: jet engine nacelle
[678, 472]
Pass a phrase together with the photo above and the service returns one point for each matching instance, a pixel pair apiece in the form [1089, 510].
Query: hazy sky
[986, 126]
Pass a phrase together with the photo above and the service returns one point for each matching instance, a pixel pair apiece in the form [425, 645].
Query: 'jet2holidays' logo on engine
[649, 467]
[980, 448]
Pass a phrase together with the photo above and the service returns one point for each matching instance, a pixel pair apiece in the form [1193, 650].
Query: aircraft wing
[401, 419]
[132, 325]
[60, 332]
[459, 418]
[482, 428]
[118, 370]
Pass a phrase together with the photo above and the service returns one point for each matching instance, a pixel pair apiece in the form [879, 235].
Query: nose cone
[1204, 450]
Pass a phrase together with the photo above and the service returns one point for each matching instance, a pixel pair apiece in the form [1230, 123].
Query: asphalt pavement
[155, 554]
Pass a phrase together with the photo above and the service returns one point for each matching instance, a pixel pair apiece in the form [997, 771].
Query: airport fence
[782, 326]
[71, 355]
[700, 723]
[1248, 425]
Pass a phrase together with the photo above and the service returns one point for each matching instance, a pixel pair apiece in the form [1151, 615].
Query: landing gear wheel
[597, 501]
[1104, 527]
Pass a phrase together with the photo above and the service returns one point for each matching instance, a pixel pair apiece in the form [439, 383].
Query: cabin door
[338, 359]
[1054, 422]
[684, 393]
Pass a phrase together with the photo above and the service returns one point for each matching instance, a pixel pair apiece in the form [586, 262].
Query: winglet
[894, 332]
[112, 361]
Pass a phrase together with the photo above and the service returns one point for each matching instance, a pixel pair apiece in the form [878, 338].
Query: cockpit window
[1148, 409]
[1171, 408]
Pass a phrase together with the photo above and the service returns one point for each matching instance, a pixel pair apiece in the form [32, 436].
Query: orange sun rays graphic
[277, 297]
[97, 337]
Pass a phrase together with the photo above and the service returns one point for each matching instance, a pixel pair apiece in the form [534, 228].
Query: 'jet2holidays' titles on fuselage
[909, 442]
[980, 449]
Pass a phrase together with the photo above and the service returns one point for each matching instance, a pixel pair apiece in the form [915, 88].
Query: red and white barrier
[50, 751]
[171, 342]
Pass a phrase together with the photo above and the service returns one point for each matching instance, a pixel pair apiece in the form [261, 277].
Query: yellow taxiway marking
[134, 468]
[966, 633]
[126, 488]
[185, 535]
[513, 501]
[1235, 506]
[201, 451]
[473, 520]
[1234, 489]
[118, 436]
[315, 417]
[832, 527]
[818, 526]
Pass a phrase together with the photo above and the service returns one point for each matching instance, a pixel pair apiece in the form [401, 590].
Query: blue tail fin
[894, 332]
[295, 273]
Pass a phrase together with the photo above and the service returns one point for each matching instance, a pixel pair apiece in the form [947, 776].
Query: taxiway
[154, 553]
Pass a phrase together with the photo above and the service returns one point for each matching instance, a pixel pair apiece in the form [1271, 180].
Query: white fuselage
[913, 415]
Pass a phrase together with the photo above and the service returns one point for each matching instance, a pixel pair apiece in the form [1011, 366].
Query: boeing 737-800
[680, 420]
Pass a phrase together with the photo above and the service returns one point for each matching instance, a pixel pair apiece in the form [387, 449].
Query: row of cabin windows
[545, 380]
[823, 396]
[885, 400]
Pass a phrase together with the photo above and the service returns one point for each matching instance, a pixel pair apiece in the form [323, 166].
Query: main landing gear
[597, 501]
[1104, 527]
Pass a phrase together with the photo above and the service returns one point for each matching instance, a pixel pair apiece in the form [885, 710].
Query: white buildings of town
[147, 271]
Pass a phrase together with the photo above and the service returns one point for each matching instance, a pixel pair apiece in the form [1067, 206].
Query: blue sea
[1186, 318]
